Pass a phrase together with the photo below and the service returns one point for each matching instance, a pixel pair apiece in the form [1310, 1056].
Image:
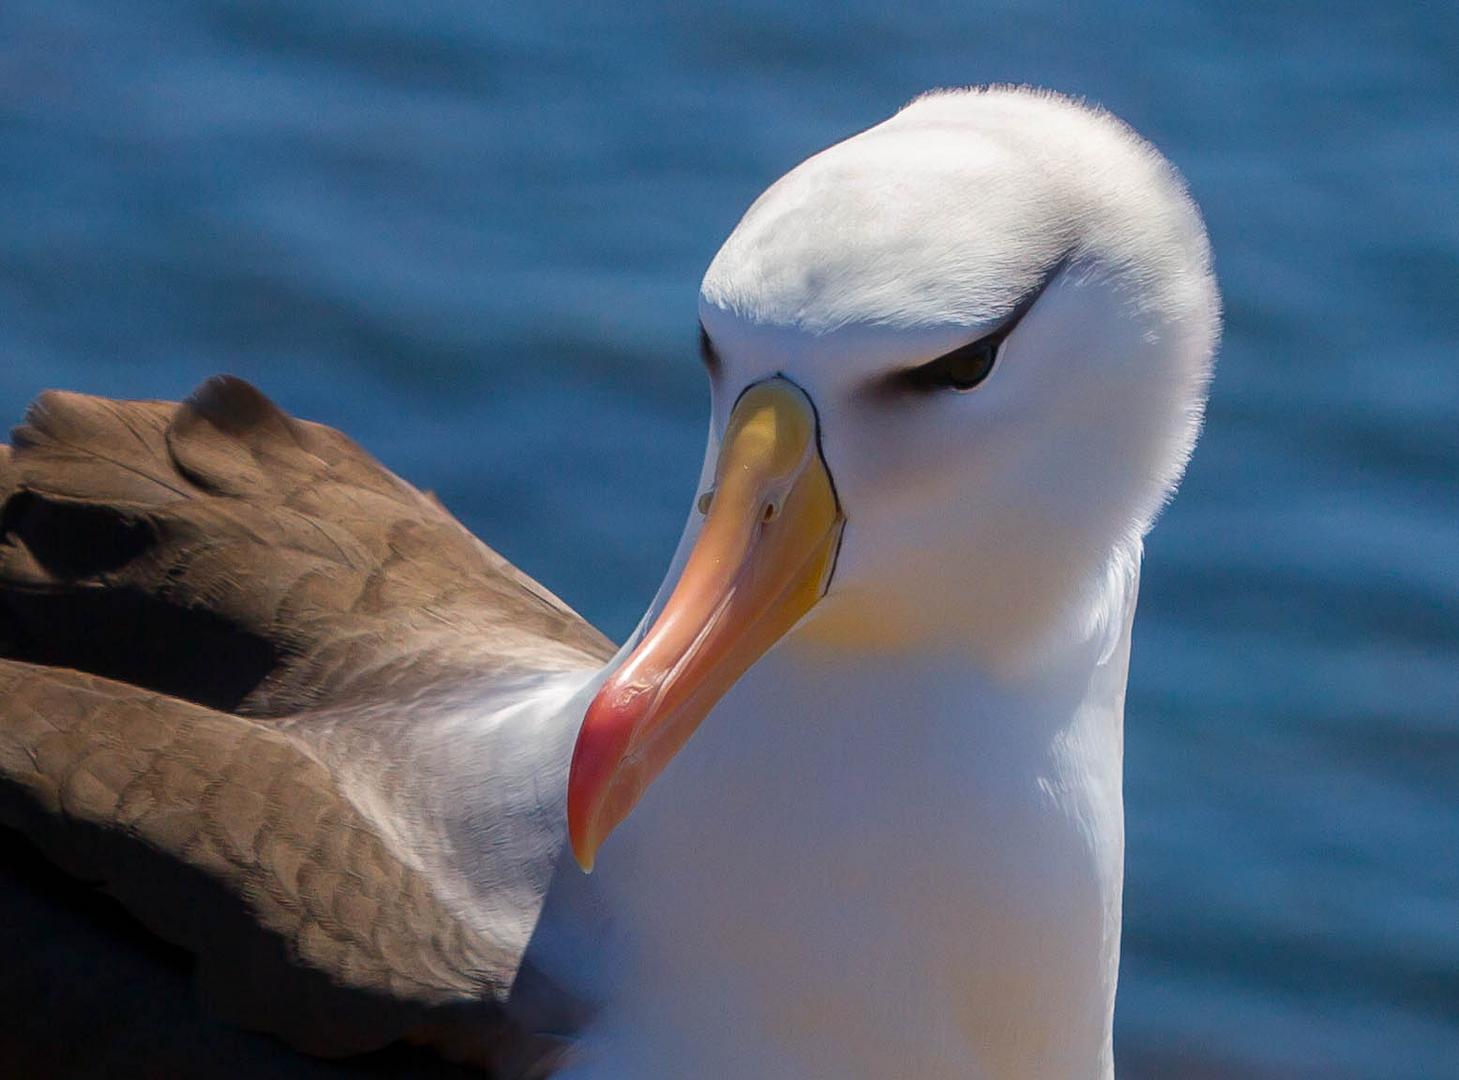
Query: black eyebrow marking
[916, 377]
[707, 351]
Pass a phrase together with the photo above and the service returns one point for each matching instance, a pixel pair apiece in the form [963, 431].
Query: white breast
[893, 870]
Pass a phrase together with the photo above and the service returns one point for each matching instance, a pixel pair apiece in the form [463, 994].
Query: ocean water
[471, 233]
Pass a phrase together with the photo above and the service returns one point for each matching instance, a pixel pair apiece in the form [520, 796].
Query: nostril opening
[772, 511]
[704, 501]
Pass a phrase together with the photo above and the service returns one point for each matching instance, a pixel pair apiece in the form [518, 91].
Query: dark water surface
[471, 235]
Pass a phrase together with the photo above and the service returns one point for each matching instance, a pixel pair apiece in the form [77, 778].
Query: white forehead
[948, 213]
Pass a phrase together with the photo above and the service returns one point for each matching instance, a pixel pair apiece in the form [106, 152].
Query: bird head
[958, 363]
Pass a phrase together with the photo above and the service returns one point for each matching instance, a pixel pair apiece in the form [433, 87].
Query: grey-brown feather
[189, 595]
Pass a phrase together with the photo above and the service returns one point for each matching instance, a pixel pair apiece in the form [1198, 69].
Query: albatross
[850, 795]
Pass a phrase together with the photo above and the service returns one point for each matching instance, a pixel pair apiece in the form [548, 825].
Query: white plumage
[895, 849]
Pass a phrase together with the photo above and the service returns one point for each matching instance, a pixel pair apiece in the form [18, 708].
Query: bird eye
[965, 368]
[962, 369]
[707, 351]
[968, 366]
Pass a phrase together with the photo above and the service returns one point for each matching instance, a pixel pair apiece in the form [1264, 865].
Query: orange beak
[762, 560]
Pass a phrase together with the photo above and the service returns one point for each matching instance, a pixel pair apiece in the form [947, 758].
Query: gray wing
[179, 585]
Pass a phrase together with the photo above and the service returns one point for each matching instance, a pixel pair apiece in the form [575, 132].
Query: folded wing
[181, 588]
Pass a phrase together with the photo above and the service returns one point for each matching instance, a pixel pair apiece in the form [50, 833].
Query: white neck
[895, 867]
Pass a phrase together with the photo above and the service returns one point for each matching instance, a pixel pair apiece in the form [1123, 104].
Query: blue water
[471, 235]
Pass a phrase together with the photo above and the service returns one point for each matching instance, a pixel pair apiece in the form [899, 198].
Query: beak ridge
[762, 559]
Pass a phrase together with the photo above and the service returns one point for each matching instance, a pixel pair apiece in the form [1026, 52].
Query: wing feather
[182, 586]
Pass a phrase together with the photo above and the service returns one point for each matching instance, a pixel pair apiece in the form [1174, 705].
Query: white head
[978, 509]
[977, 518]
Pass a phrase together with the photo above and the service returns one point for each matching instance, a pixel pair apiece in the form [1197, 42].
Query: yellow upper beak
[762, 559]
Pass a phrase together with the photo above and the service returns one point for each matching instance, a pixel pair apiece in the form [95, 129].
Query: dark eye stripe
[962, 369]
[965, 367]
[707, 352]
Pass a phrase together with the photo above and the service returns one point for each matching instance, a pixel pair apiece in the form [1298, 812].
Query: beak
[762, 560]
